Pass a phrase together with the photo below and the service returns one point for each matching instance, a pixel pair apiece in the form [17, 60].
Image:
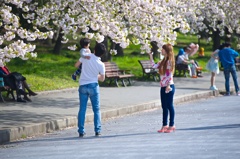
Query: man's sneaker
[82, 134]
[227, 94]
[238, 94]
[74, 77]
[97, 134]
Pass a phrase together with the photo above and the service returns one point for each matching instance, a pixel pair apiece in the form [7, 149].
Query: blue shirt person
[227, 56]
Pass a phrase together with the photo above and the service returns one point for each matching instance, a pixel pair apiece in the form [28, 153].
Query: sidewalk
[55, 110]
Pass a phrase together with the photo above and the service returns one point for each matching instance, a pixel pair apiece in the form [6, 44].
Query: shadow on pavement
[232, 126]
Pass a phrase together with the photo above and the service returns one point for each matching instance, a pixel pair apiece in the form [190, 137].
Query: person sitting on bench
[194, 69]
[16, 82]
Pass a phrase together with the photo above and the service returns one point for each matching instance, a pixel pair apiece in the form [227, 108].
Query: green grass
[52, 72]
[47, 71]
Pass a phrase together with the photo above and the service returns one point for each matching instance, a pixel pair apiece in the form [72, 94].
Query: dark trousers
[167, 105]
[227, 71]
[79, 70]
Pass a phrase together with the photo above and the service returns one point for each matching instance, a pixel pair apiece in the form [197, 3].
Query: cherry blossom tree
[214, 17]
[137, 21]
[140, 22]
[13, 36]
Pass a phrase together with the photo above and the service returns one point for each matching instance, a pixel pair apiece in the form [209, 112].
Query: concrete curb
[10, 135]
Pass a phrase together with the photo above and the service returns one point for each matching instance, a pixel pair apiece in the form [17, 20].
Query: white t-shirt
[181, 59]
[91, 68]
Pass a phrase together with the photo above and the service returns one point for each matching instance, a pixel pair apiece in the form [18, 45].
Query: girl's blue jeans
[227, 71]
[167, 105]
[89, 91]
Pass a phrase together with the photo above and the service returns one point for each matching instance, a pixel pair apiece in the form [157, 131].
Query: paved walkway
[205, 129]
[54, 110]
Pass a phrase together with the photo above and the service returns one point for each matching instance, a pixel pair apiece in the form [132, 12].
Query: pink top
[166, 79]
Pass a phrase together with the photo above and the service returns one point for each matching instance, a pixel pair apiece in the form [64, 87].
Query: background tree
[13, 35]
[139, 22]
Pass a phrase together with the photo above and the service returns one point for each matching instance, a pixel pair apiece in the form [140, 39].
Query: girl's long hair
[169, 57]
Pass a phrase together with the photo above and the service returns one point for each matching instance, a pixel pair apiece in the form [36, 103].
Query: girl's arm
[213, 54]
[152, 61]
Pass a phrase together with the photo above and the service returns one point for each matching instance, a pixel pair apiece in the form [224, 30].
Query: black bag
[17, 76]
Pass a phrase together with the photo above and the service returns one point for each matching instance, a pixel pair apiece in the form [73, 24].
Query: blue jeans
[92, 91]
[227, 71]
[167, 105]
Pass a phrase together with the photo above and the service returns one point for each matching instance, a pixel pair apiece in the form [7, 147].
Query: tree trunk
[155, 50]
[119, 50]
[115, 47]
[106, 57]
[227, 39]
[216, 39]
[49, 42]
[58, 44]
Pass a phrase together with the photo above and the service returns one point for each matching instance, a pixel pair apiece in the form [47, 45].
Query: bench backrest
[111, 66]
[111, 69]
[146, 64]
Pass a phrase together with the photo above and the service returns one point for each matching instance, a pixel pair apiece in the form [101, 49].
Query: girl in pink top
[166, 71]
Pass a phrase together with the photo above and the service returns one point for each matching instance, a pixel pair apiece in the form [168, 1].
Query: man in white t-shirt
[93, 70]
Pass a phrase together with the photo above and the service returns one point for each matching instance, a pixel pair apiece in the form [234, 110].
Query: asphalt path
[206, 129]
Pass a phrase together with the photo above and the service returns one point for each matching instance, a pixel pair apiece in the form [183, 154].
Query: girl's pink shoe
[163, 129]
[170, 129]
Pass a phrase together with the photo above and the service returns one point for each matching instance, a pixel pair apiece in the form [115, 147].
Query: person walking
[166, 71]
[212, 65]
[227, 57]
[93, 70]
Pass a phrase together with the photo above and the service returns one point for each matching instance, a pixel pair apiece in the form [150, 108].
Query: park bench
[5, 89]
[148, 71]
[9, 91]
[114, 74]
